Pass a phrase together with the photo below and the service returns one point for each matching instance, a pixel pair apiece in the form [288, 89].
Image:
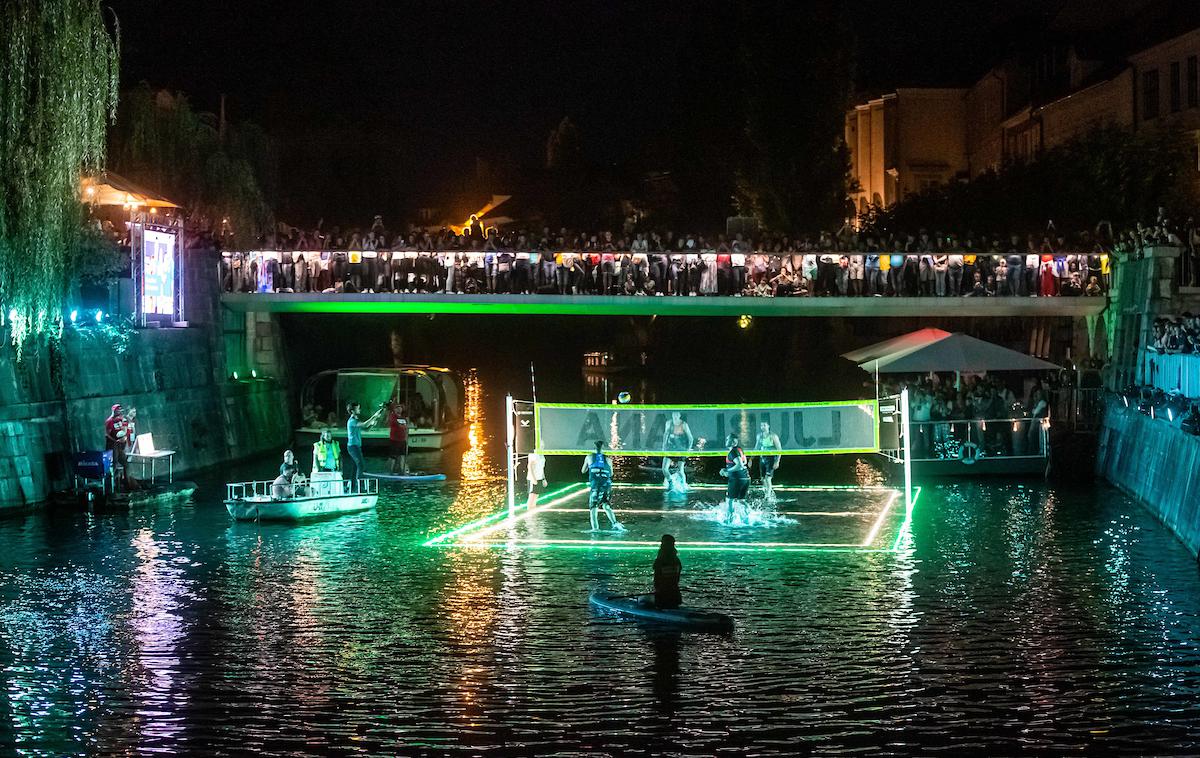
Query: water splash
[755, 512]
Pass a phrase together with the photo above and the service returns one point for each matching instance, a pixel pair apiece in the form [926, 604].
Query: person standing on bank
[115, 439]
[398, 436]
[354, 430]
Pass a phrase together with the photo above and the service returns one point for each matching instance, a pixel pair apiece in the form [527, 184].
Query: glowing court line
[871, 535]
[655, 543]
[689, 512]
[682, 546]
[778, 488]
[508, 522]
[906, 527]
[480, 522]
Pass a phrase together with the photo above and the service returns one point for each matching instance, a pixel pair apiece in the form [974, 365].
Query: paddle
[644, 594]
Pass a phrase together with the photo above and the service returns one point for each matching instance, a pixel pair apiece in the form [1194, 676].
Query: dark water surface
[1021, 619]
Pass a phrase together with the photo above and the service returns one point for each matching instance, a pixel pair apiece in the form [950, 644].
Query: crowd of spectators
[1176, 335]
[663, 263]
[982, 411]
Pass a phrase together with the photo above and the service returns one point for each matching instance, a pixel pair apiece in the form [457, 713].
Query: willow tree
[58, 92]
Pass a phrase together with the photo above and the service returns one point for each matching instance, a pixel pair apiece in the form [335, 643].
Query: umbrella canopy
[108, 188]
[903, 342]
[957, 352]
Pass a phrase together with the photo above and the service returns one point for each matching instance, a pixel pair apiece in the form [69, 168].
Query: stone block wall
[1158, 464]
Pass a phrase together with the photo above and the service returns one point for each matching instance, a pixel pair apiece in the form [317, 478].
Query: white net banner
[651, 430]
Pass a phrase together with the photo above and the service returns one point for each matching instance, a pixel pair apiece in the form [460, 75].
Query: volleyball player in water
[599, 471]
[768, 464]
[738, 475]
[676, 437]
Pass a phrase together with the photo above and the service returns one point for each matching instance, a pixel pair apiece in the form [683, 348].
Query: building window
[1150, 94]
[1193, 83]
[1176, 88]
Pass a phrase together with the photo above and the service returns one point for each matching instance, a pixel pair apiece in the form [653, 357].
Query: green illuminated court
[806, 519]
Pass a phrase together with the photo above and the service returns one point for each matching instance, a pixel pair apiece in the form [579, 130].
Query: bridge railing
[671, 273]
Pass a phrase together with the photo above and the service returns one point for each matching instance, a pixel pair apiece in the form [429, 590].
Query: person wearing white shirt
[535, 476]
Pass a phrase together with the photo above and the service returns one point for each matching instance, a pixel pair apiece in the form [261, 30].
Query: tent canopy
[904, 341]
[956, 352]
[108, 188]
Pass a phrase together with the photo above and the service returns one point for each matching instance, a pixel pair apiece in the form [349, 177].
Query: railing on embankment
[1156, 462]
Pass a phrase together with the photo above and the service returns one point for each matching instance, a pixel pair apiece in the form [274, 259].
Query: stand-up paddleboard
[684, 617]
[409, 477]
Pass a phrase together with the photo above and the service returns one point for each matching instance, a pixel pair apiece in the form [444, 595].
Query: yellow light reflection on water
[474, 460]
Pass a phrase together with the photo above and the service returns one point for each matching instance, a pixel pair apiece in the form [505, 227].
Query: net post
[906, 430]
[510, 434]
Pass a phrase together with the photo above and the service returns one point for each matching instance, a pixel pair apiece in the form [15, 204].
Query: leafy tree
[58, 91]
[225, 181]
[1107, 174]
[797, 71]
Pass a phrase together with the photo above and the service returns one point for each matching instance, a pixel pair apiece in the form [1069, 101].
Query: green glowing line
[907, 525]
[871, 535]
[542, 507]
[692, 512]
[782, 488]
[682, 546]
[709, 453]
[488, 519]
[706, 406]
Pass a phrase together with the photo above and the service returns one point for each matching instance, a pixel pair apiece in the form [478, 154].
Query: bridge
[624, 305]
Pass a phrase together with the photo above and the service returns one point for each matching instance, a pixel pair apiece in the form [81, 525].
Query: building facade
[913, 138]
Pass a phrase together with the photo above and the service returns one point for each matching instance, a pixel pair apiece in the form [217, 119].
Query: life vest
[598, 465]
[321, 449]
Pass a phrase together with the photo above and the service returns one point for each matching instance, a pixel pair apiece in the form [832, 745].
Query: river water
[1020, 618]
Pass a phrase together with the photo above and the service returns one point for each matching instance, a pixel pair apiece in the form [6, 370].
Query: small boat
[693, 618]
[408, 477]
[147, 494]
[434, 397]
[253, 501]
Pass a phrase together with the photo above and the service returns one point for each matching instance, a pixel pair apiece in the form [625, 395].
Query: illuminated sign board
[158, 273]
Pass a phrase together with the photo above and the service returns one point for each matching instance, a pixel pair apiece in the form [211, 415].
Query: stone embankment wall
[55, 401]
[1156, 463]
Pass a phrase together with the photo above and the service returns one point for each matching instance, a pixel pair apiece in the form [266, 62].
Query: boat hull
[682, 617]
[298, 509]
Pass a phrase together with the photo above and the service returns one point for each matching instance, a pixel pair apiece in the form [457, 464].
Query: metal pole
[510, 452]
[906, 428]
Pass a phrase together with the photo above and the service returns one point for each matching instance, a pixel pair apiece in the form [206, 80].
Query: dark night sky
[427, 86]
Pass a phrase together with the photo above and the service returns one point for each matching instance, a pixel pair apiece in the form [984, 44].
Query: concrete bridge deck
[596, 305]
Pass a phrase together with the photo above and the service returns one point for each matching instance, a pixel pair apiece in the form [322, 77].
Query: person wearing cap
[667, 570]
[115, 436]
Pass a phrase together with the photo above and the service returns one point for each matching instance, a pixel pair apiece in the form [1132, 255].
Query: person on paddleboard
[667, 569]
[599, 471]
[768, 464]
[737, 474]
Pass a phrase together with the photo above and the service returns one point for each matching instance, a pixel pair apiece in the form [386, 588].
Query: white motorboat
[434, 398]
[325, 496]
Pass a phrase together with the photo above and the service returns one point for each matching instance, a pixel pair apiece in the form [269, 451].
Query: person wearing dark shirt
[116, 437]
[667, 570]
[738, 475]
[398, 437]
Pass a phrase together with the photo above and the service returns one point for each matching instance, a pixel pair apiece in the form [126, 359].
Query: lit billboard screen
[158, 273]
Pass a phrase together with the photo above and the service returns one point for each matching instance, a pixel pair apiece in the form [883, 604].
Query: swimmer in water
[738, 475]
[767, 464]
[676, 437]
[599, 471]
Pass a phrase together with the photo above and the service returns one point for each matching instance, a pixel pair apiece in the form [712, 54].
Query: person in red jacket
[116, 437]
[398, 436]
